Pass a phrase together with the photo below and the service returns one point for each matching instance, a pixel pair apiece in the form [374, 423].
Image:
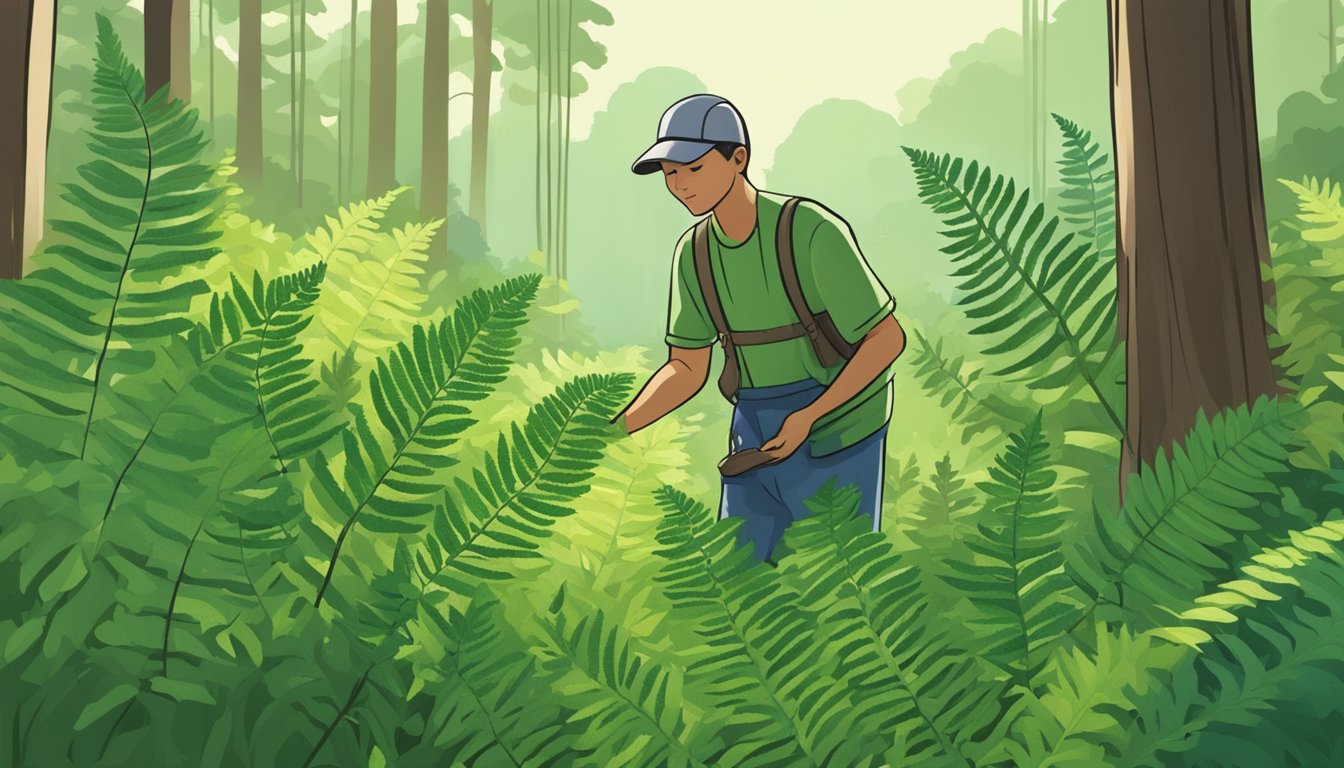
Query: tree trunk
[293, 102]
[482, 34]
[434, 130]
[179, 65]
[41, 65]
[303, 92]
[382, 96]
[1330, 35]
[211, 53]
[536, 160]
[350, 107]
[28, 29]
[249, 90]
[1191, 237]
[158, 45]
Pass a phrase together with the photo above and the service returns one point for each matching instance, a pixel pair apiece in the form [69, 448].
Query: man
[811, 421]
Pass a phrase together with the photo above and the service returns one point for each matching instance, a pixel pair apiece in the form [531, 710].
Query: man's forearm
[669, 386]
[877, 350]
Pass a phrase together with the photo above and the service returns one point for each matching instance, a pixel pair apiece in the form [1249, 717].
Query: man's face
[703, 182]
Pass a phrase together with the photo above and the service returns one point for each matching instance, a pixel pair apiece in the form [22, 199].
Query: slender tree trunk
[1043, 108]
[249, 90]
[552, 267]
[1029, 93]
[293, 102]
[303, 92]
[340, 142]
[434, 128]
[1192, 229]
[211, 53]
[180, 53]
[564, 155]
[354, 90]
[41, 65]
[158, 45]
[382, 97]
[1330, 35]
[537, 154]
[27, 28]
[482, 35]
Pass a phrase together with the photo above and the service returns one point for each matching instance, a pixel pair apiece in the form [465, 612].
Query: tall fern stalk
[1022, 281]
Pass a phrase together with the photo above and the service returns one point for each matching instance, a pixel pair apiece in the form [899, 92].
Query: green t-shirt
[835, 278]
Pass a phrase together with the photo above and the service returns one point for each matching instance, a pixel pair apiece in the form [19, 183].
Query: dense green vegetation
[287, 499]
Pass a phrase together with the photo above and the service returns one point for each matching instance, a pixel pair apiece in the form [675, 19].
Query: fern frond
[1037, 288]
[1319, 208]
[419, 393]
[1016, 578]
[374, 298]
[1089, 188]
[764, 663]
[538, 469]
[913, 684]
[114, 274]
[629, 703]
[1164, 547]
[492, 699]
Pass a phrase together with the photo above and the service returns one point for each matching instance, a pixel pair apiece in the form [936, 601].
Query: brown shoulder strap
[729, 378]
[827, 354]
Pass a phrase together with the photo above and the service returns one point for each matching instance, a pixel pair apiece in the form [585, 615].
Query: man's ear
[740, 157]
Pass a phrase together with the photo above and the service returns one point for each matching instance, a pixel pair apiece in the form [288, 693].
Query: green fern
[1025, 280]
[493, 702]
[628, 702]
[1089, 188]
[1164, 547]
[1319, 208]
[374, 298]
[419, 392]
[763, 663]
[114, 276]
[914, 684]
[530, 481]
[1016, 580]
[944, 377]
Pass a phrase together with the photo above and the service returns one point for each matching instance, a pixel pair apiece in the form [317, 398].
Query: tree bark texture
[27, 27]
[482, 35]
[249, 90]
[382, 96]
[179, 57]
[1192, 237]
[158, 45]
[434, 133]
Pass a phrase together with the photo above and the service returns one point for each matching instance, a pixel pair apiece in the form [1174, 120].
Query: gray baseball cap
[692, 127]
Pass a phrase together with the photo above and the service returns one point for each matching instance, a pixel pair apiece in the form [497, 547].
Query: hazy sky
[774, 59]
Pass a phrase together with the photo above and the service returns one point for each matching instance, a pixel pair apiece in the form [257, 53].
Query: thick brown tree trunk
[1191, 237]
[382, 96]
[482, 35]
[249, 90]
[179, 66]
[158, 45]
[434, 134]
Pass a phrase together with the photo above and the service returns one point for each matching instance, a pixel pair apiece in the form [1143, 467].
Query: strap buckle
[723, 339]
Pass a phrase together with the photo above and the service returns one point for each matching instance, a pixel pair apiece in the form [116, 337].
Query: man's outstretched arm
[678, 380]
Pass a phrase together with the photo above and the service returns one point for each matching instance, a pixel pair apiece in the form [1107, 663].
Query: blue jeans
[769, 498]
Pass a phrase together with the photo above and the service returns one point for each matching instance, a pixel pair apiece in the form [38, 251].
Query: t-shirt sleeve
[850, 292]
[688, 322]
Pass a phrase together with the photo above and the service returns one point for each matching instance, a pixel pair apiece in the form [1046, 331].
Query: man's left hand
[792, 434]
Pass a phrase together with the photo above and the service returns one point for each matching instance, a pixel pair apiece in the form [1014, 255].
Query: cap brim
[672, 150]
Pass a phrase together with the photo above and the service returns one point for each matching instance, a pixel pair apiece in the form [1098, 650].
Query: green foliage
[1089, 189]
[1163, 549]
[763, 662]
[977, 411]
[1320, 207]
[1015, 577]
[911, 679]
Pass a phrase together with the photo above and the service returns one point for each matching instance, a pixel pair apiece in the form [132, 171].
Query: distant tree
[158, 44]
[249, 90]
[29, 32]
[179, 56]
[382, 96]
[434, 131]
[482, 37]
[1194, 312]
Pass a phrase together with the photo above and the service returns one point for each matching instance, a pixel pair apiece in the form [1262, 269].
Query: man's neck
[736, 212]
